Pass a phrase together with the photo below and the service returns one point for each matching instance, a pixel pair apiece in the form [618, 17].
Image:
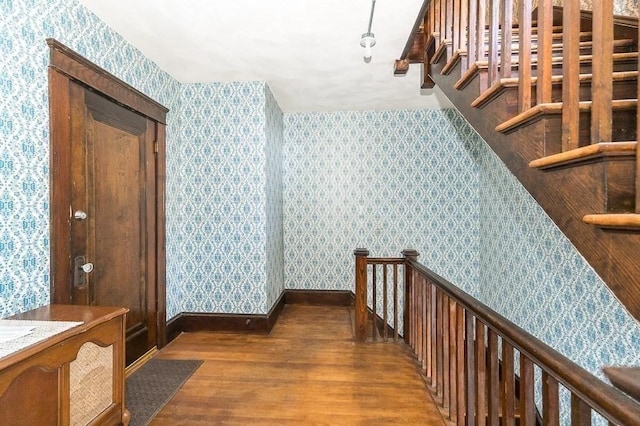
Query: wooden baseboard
[320, 297]
[254, 324]
[231, 323]
[174, 327]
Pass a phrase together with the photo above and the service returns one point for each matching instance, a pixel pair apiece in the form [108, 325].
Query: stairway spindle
[494, 23]
[545, 41]
[507, 34]
[571, 75]
[524, 57]
[602, 83]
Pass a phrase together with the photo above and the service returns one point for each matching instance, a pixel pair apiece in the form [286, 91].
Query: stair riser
[621, 90]
[624, 129]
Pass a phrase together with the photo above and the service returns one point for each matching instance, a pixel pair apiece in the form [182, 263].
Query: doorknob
[82, 268]
[79, 215]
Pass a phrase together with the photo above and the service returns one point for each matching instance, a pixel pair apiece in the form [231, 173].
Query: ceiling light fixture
[368, 39]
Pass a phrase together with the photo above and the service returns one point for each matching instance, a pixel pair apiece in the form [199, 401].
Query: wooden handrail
[456, 338]
[609, 402]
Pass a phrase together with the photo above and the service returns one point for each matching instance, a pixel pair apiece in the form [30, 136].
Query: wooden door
[107, 207]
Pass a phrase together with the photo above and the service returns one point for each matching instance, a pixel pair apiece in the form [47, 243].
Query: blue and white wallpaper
[258, 201]
[424, 179]
[531, 273]
[274, 218]
[384, 180]
[24, 133]
[228, 163]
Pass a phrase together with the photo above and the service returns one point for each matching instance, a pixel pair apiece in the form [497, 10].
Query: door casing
[65, 69]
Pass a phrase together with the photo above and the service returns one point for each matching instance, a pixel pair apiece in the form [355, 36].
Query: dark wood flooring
[308, 371]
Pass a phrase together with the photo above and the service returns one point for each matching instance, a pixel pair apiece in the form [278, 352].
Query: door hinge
[155, 147]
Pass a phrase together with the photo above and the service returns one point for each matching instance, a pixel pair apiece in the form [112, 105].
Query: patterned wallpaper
[227, 148]
[274, 221]
[424, 179]
[552, 291]
[384, 180]
[24, 133]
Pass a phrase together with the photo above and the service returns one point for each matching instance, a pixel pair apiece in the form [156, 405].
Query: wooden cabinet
[72, 378]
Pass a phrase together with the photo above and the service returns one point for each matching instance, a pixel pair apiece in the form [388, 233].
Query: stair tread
[585, 153]
[614, 220]
[553, 108]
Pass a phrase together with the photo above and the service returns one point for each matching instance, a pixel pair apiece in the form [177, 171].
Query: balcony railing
[480, 367]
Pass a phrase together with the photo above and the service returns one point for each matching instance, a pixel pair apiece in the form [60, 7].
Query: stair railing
[478, 365]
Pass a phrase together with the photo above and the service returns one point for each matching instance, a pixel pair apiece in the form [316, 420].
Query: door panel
[112, 151]
[108, 162]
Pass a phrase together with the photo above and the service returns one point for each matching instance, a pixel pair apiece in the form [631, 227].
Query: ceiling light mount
[368, 39]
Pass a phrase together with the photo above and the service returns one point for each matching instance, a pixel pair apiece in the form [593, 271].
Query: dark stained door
[107, 196]
[113, 206]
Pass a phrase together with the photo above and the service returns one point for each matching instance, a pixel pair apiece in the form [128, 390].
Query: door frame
[65, 67]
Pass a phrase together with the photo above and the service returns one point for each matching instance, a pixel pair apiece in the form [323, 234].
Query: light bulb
[367, 49]
[367, 41]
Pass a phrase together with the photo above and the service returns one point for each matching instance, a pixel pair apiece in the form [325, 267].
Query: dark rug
[153, 385]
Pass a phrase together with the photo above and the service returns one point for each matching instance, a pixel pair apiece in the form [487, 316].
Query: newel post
[361, 294]
[408, 254]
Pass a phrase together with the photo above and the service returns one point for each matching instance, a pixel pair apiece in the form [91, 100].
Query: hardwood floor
[308, 371]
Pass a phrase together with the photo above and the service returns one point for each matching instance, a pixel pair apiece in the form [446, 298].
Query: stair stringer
[566, 195]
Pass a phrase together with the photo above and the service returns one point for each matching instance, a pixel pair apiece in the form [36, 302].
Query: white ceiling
[307, 51]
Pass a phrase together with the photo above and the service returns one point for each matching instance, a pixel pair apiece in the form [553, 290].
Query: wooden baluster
[472, 34]
[396, 326]
[464, 36]
[461, 402]
[494, 24]
[361, 294]
[457, 33]
[436, 21]
[411, 323]
[385, 301]
[550, 408]
[493, 377]
[602, 83]
[571, 75]
[481, 371]
[446, 349]
[453, 351]
[638, 135]
[545, 51]
[450, 23]
[524, 57]
[409, 283]
[420, 318]
[527, 392]
[443, 20]
[414, 313]
[580, 412]
[507, 385]
[470, 368]
[482, 25]
[427, 312]
[433, 308]
[439, 349]
[374, 297]
[507, 34]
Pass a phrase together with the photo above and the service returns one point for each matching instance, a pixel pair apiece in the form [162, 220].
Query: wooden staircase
[554, 92]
